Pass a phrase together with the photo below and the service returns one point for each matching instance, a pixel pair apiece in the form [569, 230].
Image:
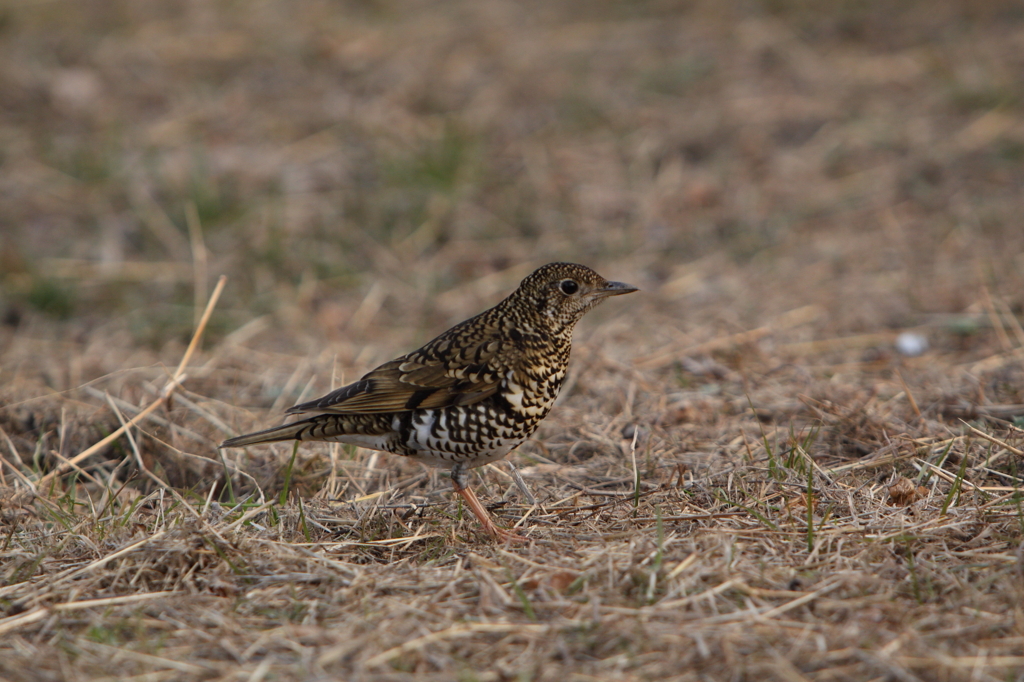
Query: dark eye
[569, 287]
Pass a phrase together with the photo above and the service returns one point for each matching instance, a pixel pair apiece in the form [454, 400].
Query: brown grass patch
[743, 479]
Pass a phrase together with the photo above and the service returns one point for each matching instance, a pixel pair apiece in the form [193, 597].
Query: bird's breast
[532, 394]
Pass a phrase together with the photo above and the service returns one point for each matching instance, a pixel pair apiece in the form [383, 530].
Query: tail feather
[334, 428]
[293, 431]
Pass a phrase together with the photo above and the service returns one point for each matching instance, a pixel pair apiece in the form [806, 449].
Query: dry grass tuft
[673, 531]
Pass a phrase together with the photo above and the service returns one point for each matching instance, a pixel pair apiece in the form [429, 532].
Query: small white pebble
[911, 344]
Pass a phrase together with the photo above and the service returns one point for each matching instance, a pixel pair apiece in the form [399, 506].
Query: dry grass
[743, 478]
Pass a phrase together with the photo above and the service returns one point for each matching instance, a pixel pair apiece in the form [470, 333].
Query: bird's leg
[460, 484]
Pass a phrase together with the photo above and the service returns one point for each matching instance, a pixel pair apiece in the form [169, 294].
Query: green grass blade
[283, 497]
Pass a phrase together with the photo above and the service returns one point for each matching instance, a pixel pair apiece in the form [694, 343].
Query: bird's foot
[502, 535]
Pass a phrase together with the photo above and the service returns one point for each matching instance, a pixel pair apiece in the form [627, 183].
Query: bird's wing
[462, 366]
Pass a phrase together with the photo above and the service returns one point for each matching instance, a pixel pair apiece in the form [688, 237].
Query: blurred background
[368, 173]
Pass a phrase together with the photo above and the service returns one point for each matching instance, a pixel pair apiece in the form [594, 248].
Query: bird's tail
[292, 431]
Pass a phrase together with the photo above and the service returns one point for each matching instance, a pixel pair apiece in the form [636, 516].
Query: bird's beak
[614, 289]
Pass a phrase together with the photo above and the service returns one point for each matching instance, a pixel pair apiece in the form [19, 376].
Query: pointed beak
[614, 289]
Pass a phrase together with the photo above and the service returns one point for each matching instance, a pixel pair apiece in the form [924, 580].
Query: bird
[471, 395]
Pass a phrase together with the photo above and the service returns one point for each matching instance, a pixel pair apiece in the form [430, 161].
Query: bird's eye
[569, 287]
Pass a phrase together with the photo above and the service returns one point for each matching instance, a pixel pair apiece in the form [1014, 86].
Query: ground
[796, 454]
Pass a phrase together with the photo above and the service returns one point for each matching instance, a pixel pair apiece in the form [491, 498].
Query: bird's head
[557, 295]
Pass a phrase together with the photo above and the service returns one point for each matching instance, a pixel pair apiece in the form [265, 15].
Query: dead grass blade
[454, 632]
[165, 396]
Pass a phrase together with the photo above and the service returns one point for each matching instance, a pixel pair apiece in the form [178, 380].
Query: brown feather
[440, 374]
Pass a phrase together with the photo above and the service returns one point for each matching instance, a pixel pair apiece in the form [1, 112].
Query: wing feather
[450, 370]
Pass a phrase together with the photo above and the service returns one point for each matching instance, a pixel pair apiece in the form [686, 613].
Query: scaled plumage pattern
[471, 395]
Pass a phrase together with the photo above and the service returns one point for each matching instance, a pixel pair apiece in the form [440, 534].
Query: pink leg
[473, 502]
